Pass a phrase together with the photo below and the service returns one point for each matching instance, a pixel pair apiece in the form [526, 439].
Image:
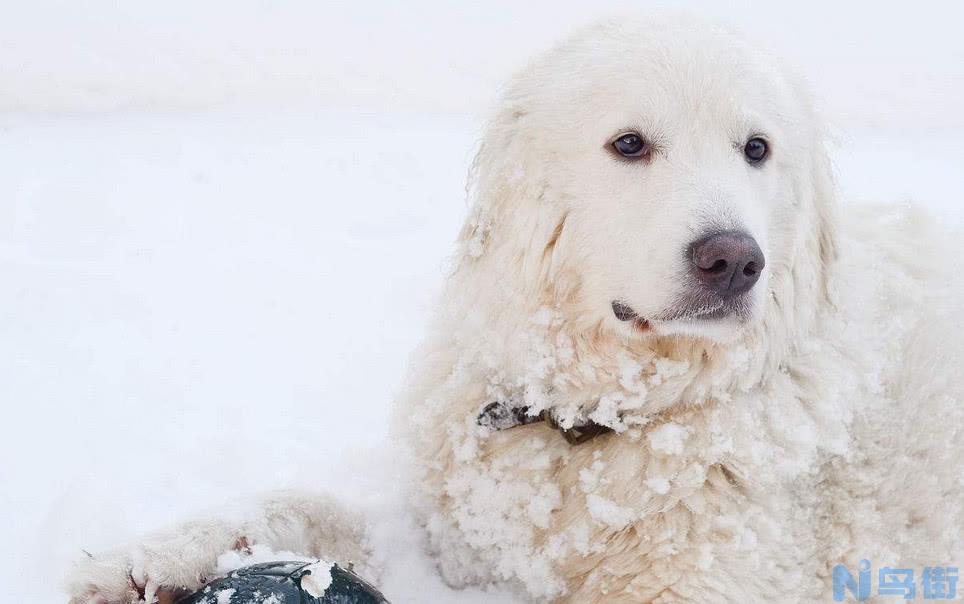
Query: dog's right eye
[631, 145]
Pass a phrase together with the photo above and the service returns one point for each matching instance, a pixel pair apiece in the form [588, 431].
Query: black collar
[500, 416]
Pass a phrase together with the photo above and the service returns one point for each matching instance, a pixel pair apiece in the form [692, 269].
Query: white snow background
[222, 225]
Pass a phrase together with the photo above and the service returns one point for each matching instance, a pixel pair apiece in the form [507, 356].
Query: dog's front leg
[181, 559]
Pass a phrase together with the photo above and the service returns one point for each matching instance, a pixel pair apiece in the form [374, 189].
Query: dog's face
[673, 161]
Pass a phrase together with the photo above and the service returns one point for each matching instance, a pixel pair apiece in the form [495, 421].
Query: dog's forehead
[663, 71]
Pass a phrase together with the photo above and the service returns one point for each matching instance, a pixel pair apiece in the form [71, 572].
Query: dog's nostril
[718, 267]
[750, 269]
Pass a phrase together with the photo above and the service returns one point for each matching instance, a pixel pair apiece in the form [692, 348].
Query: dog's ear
[503, 178]
[825, 219]
[514, 221]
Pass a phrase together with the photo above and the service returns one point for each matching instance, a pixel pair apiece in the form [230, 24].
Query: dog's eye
[631, 145]
[756, 150]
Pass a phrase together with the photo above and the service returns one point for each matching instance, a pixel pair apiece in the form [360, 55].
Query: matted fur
[746, 460]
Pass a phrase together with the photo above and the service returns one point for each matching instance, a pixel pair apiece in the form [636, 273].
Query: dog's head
[656, 178]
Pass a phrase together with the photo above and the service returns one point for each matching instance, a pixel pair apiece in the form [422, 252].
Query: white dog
[663, 370]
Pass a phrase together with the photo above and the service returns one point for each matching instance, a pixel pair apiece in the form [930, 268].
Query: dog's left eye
[756, 150]
[631, 145]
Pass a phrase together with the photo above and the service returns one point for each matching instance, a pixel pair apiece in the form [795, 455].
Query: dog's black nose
[728, 263]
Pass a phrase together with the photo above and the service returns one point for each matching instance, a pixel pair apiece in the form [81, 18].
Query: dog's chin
[723, 329]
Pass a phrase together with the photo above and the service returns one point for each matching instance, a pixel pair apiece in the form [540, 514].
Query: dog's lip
[708, 314]
[624, 312]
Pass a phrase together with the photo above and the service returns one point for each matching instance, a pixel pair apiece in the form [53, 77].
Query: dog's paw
[104, 579]
[159, 570]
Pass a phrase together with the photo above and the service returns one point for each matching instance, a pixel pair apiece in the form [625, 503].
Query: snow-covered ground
[208, 289]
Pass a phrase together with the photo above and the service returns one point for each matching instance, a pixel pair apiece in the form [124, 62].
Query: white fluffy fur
[748, 457]
[309, 524]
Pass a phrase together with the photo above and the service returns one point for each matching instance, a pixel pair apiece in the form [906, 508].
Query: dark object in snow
[501, 416]
[288, 583]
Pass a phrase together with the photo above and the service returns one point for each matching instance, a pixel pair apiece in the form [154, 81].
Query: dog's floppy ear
[503, 177]
[514, 221]
[825, 219]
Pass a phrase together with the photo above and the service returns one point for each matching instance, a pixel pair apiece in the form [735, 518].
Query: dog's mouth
[702, 310]
[625, 313]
